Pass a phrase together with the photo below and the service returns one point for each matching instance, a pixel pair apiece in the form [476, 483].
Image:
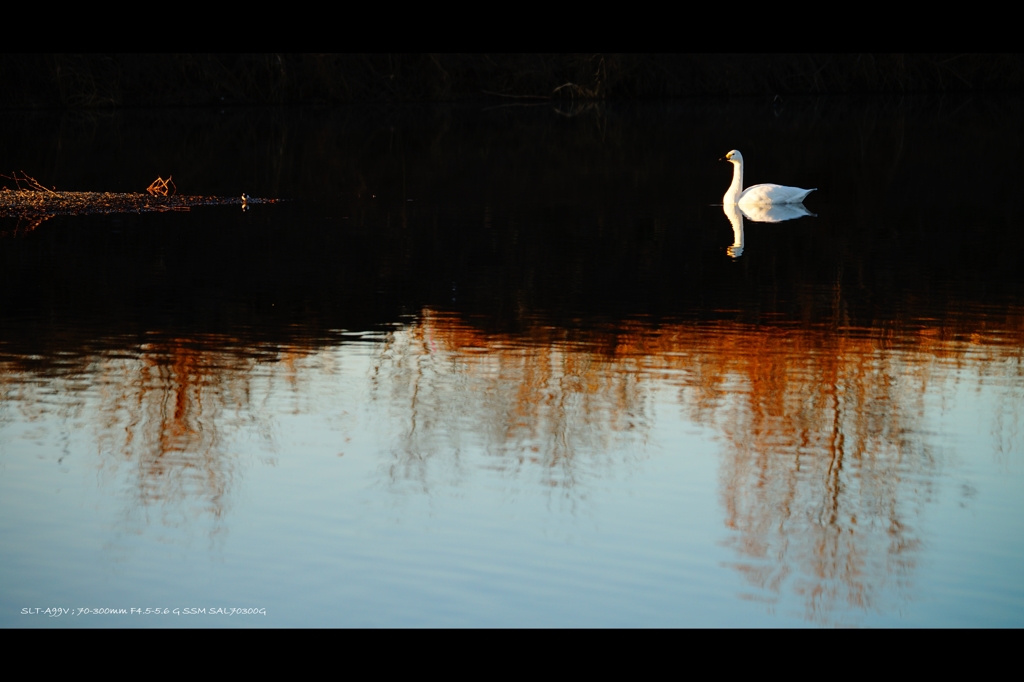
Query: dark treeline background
[127, 80]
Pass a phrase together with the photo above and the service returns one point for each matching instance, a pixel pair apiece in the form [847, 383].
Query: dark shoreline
[90, 81]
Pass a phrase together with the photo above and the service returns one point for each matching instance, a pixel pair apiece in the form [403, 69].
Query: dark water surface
[513, 366]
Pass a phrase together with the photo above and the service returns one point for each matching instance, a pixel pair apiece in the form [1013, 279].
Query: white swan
[758, 194]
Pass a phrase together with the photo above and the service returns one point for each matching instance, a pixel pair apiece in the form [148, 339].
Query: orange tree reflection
[827, 461]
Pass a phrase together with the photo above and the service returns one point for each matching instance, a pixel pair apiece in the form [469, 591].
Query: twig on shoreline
[578, 91]
[162, 188]
[33, 184]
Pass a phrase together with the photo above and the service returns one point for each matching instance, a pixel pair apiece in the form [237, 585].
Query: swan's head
[733, 157]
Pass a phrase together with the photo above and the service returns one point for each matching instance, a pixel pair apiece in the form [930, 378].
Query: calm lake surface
[513, 366]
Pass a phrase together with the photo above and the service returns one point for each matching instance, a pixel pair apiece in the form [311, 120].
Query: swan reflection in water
[758, 213]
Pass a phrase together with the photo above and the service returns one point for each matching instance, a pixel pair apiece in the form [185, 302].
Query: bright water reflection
[836, 451]
[828, 459]
[769, 213]
[774, 213]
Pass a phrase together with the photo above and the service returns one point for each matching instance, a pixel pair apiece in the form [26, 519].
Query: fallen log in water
[33, 203]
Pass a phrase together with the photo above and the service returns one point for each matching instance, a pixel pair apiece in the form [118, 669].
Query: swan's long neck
[737, 184]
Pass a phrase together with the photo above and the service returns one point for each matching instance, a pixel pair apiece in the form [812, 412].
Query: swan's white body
[758, 195]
